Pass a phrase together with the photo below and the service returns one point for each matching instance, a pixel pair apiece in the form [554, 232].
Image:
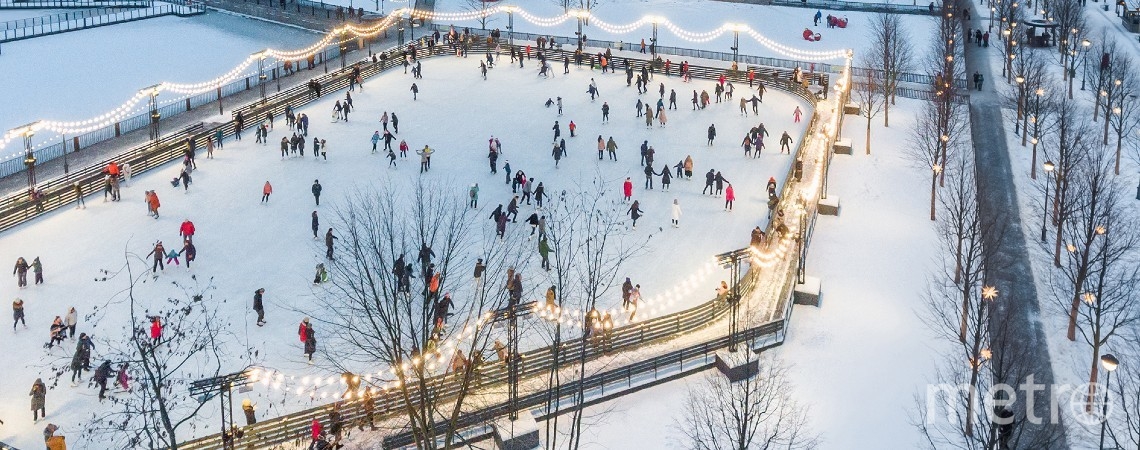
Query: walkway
[1017, 325]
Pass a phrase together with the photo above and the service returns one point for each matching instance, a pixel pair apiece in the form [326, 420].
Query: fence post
[219, 90]
[117, 133]
[187, 103]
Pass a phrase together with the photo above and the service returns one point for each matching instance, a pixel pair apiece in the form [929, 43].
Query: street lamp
[30, 160]
[1109, 362]
[1040, 92]
[1048, 166]
[1020, 100]
[1085, 44]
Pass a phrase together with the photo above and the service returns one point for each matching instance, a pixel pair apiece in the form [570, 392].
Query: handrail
[922, 10]
[15, 30]
[73, 4]
[599, 381]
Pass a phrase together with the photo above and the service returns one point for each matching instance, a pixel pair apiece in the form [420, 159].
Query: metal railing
[71, 4]
[863, 73]
[896, 8]
[49, 151]
[619, 381]
[15, 30]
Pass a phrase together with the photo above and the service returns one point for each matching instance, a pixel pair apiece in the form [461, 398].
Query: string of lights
[346, 32]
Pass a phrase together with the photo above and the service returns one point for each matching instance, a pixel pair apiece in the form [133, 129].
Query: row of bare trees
[1093, 224]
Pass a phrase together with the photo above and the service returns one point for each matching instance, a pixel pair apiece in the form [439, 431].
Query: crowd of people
[527, 196]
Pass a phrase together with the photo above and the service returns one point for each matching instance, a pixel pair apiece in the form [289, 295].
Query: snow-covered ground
[244, 246]
[57, 74]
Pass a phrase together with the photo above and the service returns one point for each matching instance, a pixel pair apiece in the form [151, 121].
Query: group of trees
[1091, 219]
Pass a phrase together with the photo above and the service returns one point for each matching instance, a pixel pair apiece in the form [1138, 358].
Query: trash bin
[1105, 7]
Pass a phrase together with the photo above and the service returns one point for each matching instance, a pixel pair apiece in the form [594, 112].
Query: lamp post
[1048, 166]
[1020, 101]
[221, 386]
[154, 114]
[1109, 362]
[30, 159]
[261, 75]
[1036, 124]
[343, 49]
[731, 260]
[1008, 50]
[510, 26]
[1085, 44]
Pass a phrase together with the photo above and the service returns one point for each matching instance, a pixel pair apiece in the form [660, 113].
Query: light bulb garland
[340, 35]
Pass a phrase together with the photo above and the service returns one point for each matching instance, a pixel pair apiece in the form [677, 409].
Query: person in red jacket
[627, 189]
[302, 329]
[315, 430]
[187, 230]
[155, 330]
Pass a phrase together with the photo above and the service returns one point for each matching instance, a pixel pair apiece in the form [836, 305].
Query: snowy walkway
[1010, 270]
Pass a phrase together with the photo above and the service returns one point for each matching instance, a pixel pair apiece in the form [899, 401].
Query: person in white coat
[676, 214]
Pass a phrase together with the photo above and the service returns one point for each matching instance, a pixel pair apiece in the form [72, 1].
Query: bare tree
[1101, 265]
[1124, 420]
[378, 311]
[960, 303]
[591, 244]
[756, 413]
[892, 53]
[481, 7]
[1071, 141]
[191, 347]
[1124, 117]
[942, 129]
[869, 94]
[1013, 36]
[1070, 20]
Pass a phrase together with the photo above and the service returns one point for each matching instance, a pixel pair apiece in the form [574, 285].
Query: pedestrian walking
[317, 191]
[259, 305]
[39, 400]
[329, 238]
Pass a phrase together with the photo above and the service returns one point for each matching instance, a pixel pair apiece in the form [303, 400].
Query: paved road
[1017, 323]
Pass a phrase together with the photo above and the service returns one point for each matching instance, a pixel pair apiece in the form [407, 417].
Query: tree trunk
[1119, 138]
[1073, 309]
[1107, 119]
[1093, 373]
[933, 191]
[1033, 166]
[868, 134]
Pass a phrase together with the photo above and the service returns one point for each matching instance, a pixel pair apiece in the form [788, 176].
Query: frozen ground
[82, 74]
[244, 246]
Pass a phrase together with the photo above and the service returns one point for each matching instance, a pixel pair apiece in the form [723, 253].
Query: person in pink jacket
[265, 191]
[729, 197]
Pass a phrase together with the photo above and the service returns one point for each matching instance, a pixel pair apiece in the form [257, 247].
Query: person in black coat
[497, 212]
[720, 181]
[102, 374]
[317, 191]
[649, 177]
[188, 250]
[259, 306]
[329, 238]
[710, 177]
[316, 224]
[712, 133]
